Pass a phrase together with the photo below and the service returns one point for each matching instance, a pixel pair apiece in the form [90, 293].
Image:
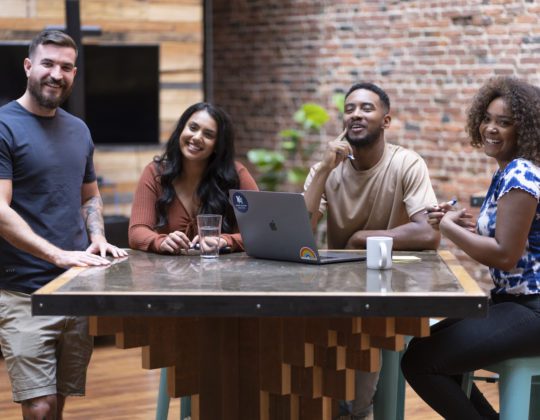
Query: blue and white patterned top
[525, 277]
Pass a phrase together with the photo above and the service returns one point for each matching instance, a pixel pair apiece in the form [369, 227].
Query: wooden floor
[119, 389]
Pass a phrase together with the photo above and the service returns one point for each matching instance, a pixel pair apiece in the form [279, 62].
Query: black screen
[121, 84]
[12, 76]
[122, 93]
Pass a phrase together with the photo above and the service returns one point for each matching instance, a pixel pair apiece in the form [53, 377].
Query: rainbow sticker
[307, 253]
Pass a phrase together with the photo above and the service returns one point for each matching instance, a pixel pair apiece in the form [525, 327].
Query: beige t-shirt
[380, 198]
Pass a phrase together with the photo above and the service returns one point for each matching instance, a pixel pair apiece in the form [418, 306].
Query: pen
[452, 202]
[348, 156]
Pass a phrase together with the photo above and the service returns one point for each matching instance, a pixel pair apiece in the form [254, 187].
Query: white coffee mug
[379, 252]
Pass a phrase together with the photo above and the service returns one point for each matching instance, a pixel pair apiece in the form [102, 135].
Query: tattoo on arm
[92, 213]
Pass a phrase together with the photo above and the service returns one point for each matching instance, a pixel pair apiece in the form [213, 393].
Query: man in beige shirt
[370, 188]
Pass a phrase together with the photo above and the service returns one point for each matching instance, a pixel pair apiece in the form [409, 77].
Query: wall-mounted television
[121, 85]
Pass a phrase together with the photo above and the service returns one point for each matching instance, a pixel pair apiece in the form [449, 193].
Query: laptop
[276, 226]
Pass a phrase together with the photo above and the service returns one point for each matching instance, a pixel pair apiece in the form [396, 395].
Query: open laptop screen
[275, 225]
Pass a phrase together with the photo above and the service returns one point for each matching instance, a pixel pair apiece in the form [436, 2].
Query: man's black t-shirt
[48, 159]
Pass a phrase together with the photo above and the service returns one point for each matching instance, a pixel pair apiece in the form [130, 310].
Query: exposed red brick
[431, 56]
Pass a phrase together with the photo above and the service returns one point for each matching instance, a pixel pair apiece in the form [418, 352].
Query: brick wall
[429, 55]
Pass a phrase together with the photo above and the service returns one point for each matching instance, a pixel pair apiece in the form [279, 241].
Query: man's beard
[35, 89]
[367, 140]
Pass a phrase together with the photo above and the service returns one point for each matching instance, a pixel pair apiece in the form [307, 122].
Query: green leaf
[266, 160]
[315, 116]
[300, 116]
[266, 156]
[297, 175]
[291, 133]
[289, 146]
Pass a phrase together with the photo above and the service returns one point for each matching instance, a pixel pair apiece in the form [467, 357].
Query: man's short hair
[54, 37]
[383, 96]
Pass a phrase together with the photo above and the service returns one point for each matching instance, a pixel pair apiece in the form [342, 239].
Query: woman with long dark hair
[193, 176]
[504, 119]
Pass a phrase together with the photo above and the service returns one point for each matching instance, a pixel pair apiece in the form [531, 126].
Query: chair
[163, 400]
[389, 400]
[519, 387]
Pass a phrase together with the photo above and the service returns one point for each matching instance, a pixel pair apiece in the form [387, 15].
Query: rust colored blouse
[144, 237]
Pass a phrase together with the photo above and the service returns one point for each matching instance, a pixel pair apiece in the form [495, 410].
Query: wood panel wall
[176, 25]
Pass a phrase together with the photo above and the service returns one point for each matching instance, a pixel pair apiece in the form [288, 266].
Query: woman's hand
[175, 242]
[459, 217]
[436, 213]
[209, 243]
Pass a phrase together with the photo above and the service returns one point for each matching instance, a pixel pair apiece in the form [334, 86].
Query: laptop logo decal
[306, 253]
[273, 226]
[240, 202]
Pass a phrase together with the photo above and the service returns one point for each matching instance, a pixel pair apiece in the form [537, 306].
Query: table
[250, 338]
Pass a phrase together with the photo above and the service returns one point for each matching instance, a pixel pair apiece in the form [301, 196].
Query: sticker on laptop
[306, 253]
[239, 201]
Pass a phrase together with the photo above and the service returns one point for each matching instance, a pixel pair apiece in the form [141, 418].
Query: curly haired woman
[504, 119]
[193, 176]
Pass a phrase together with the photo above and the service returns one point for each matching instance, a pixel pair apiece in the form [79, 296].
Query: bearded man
[370, 188]
[50, 220]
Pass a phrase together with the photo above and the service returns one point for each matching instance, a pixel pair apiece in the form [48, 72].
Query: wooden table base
[261, 368]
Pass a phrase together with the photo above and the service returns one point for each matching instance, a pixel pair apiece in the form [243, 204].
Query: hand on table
[209, 243]
[100, 246]
[175, 242]
[460, 217]
[67, 259]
